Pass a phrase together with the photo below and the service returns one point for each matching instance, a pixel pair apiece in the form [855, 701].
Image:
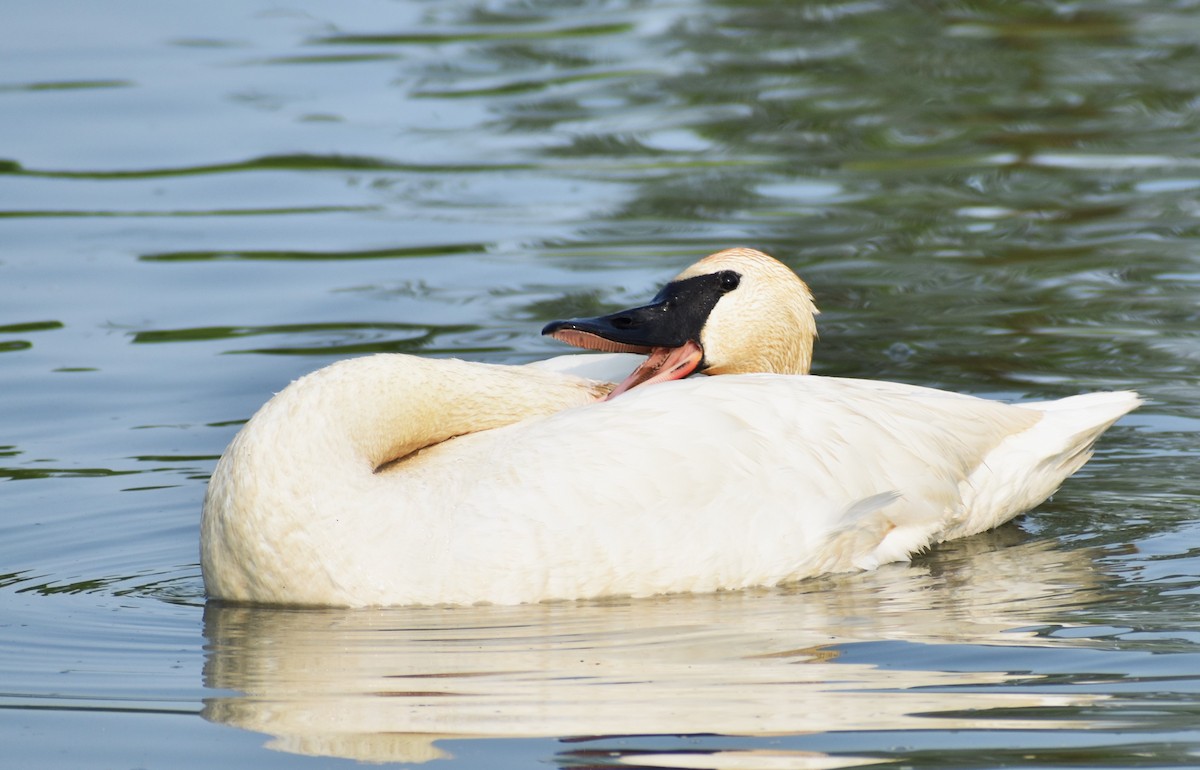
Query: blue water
[199, 203]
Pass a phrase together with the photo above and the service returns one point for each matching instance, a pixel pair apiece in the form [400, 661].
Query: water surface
[198, 204]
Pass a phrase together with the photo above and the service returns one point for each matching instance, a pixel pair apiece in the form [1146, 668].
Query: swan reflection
[385, 684]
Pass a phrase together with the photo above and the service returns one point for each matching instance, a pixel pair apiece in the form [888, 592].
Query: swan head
[737, 311]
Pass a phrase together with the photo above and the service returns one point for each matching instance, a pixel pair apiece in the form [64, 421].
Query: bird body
[395, 479]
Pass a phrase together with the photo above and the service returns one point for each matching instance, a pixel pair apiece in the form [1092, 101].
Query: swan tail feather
[1030, 466]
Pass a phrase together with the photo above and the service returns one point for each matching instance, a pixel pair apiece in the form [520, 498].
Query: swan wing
[705, 484]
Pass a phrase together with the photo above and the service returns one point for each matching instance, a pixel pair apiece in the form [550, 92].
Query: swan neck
[386, 407]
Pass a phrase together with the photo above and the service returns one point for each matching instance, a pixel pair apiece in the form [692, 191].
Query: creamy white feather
[395, 479]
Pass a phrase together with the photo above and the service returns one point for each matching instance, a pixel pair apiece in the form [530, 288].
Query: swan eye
[730, 280]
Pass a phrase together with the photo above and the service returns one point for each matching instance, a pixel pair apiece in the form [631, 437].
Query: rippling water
[200, 203]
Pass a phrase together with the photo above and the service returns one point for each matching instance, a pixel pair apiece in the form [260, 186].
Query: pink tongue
[662, 365]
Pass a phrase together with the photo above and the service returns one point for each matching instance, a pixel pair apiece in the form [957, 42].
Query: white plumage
[395, 479]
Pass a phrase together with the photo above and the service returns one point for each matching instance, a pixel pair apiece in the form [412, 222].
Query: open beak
[658, 331]
[662, 365]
